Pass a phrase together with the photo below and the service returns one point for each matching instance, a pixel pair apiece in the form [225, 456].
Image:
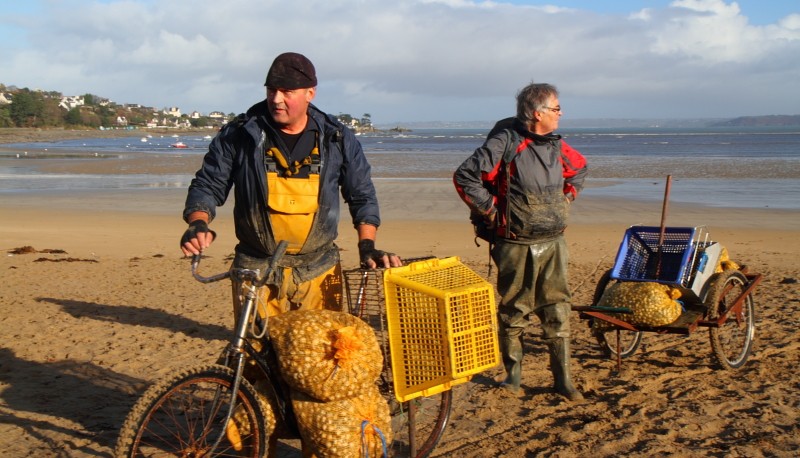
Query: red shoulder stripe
[571, 160]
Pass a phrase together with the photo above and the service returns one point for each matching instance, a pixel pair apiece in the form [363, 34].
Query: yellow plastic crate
[442, 324]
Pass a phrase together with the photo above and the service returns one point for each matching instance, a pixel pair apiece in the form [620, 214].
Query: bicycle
[187, 414]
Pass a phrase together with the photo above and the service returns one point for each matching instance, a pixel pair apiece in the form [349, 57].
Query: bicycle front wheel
[184, 415]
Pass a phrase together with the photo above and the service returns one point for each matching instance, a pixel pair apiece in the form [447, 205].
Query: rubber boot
[512, 360]
[559, 365]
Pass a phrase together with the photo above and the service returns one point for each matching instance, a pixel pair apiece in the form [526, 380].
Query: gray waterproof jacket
[545, 175]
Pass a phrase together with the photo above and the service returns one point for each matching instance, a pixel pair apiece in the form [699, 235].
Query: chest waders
[292, 201]
[535, 216]
[292, 207]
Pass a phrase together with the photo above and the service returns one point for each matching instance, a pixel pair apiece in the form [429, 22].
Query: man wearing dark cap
[287, 161]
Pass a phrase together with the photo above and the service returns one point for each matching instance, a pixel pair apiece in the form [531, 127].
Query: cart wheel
[629, 341]
[732, 341]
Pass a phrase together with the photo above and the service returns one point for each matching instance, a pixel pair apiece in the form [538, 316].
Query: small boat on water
[208, 137]
[178, 145]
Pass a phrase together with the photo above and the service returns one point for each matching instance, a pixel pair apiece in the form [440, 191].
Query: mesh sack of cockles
[326, 354]
[724, 262]
[651, 303]
[359, 426]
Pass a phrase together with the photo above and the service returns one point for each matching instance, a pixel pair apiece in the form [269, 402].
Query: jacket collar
[523, 131]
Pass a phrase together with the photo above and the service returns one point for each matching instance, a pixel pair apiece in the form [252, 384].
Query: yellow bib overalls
[292, 204]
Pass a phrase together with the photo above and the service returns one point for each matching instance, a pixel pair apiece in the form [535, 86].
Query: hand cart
[721, 301]
[684, 258]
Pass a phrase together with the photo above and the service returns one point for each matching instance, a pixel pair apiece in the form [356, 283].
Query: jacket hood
[259, 109]
[537, 138]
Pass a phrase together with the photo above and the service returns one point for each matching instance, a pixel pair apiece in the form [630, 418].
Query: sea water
[728, 167]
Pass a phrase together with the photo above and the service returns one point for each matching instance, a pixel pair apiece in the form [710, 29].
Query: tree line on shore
[45, 109]
[41, 109]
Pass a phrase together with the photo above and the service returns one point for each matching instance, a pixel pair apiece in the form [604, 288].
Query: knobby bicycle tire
[183, 415]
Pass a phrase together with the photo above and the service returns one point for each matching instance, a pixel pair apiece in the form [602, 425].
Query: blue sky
[758, 12]
[417, 60]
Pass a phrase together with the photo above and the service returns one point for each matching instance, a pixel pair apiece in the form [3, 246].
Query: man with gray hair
[521, 183]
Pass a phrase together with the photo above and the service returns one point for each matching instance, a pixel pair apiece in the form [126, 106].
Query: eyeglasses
[554, 109]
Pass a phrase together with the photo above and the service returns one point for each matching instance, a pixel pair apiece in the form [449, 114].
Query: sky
[417, 60]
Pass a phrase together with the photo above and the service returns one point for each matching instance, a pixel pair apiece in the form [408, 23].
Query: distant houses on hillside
[77, 109]
[94, 111]
[70, 102]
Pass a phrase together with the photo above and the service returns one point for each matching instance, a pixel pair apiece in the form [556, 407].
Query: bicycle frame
[239, 347]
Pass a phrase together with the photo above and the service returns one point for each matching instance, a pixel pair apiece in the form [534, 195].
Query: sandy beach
[103, 304]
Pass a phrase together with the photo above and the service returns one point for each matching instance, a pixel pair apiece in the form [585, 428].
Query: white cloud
[415, 60]
[790, 23]
[709, 31]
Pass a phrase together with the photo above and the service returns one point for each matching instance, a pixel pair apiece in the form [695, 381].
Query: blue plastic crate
[639, 257]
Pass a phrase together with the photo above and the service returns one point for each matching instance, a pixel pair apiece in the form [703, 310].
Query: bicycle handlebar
[245, 274]
[196, 261]
[254, 275]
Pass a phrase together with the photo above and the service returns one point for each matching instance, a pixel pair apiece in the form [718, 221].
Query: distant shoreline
[24, 135]
[781, 121]
[30, 135]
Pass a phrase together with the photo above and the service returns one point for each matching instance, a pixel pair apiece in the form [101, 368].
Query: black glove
[367, 251]
[196, 227]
